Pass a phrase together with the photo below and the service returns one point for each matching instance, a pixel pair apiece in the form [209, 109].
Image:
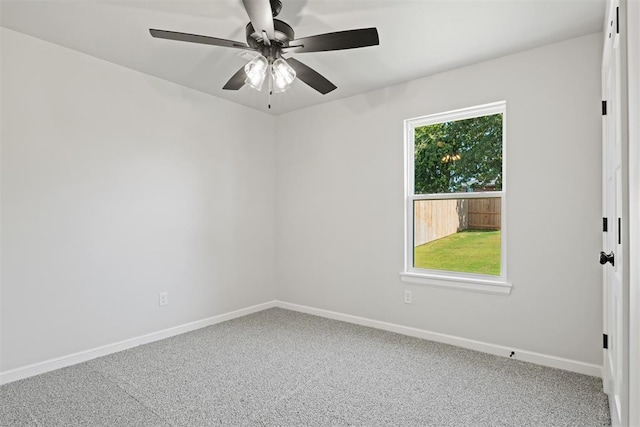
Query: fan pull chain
[270, 88]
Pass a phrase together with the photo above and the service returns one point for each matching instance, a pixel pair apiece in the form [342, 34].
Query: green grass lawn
[469, 251]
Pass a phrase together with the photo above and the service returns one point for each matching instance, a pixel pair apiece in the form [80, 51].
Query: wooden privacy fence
[435, 219]
[485, 214]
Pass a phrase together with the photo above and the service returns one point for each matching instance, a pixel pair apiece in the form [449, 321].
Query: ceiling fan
[272, 38]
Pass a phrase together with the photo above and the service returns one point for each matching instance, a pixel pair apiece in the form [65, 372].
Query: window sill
[487, 286]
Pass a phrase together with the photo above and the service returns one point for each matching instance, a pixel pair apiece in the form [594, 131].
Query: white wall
[340, 203]
[117, 186]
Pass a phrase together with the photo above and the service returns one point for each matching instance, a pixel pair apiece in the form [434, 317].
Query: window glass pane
[459, 156]
[461, 235]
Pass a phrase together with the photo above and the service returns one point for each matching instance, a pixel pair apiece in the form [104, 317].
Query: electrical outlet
[163, 298]
[408, 296]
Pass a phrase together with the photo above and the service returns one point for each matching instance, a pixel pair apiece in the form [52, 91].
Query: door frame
[631, 19]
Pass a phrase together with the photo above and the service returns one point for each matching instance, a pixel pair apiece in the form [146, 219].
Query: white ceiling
[417, 37]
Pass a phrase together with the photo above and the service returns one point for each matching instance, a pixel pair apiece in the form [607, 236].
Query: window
[455, 199]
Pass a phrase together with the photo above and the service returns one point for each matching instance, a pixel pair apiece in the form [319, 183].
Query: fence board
[485, 214]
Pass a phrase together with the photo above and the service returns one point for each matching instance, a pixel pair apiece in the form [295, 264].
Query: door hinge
[605, 341]
[619, 232]
[605, 224]
[604, 108]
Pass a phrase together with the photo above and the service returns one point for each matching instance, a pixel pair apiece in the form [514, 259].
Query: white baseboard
[83, 356]
[518, 354]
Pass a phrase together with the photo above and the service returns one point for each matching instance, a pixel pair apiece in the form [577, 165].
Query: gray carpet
[282, 368]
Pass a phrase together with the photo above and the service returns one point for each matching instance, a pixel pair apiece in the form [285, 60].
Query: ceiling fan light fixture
[282, 74]
[256, 71]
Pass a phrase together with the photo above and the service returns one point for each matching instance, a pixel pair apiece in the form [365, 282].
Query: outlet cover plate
[408, 297]
[163, 298]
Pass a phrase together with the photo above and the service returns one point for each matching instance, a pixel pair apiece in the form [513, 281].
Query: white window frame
[451, 279]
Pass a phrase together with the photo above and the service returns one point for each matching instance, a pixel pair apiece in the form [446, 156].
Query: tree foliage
[463, 155]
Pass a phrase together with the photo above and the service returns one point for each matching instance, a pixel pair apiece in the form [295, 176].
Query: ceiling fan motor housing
[283, 34]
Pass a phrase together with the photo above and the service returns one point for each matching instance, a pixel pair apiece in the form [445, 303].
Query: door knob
[605, 258]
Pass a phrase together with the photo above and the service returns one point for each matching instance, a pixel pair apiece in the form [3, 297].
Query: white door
[612, 256]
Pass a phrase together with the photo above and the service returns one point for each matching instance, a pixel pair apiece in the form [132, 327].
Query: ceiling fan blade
[194, 38]
[349, 39]
[261, 17]
[311, 77]
[236, 81]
